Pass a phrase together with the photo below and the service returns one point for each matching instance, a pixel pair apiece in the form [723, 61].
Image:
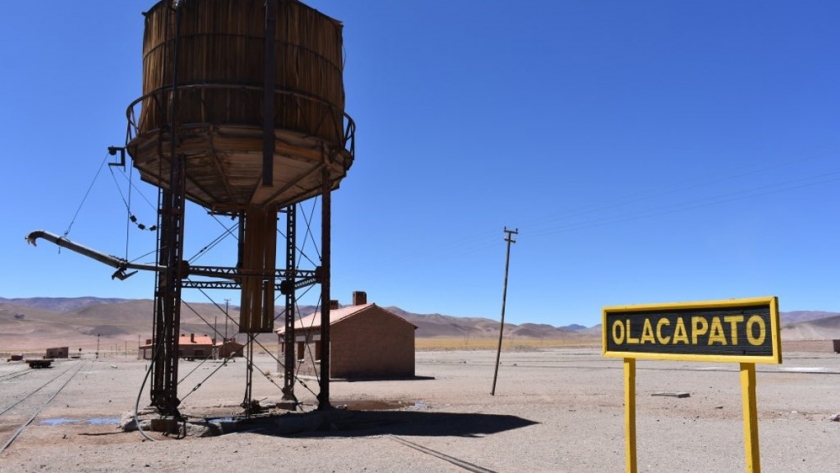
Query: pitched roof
[199, 340]
[229, 342]
[187, 340]
[336, 315]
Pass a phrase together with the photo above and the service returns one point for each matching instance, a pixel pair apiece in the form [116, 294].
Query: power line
[693, 204]
[566, 223]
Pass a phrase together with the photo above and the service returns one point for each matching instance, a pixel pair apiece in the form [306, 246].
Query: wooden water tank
[217, 49]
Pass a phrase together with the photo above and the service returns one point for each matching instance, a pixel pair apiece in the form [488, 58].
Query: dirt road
[558, 410]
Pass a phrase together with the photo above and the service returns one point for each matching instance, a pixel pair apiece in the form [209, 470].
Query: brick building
[190, 346]
[228, 348]
[367, 341]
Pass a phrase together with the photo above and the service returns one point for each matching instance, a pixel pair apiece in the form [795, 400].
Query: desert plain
[554, 410]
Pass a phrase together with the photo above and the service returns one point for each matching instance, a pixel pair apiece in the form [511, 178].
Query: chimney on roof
[334, 305]
[359, 298]
[192, 338]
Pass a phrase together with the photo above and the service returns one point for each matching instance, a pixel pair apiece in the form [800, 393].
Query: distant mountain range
[437, 325]
[120, 318]
[59, 304]
[81, 320]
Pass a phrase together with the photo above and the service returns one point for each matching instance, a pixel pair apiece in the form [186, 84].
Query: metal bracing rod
[235, 285]
[229, 273]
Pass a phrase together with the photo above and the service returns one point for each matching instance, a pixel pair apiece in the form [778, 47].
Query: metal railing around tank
[346, 129]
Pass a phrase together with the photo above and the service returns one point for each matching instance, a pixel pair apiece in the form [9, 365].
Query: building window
[300, 351]
[317, 351]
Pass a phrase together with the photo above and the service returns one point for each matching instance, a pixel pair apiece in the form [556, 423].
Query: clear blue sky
[646, 151]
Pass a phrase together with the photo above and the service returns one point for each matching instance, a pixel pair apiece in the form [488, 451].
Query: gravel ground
[557, 410]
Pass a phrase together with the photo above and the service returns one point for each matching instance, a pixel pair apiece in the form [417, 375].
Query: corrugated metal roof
[336, 315]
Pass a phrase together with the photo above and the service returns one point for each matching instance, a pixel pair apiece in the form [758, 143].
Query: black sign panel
[743, 331]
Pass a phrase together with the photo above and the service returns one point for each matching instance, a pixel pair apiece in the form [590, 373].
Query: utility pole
[97, 346]
[227, 301]
[509, 240]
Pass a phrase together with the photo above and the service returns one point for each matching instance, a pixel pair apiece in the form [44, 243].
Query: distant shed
[228, 348]
[60, 352]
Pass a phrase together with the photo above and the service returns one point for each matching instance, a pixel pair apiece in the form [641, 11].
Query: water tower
[242, 113]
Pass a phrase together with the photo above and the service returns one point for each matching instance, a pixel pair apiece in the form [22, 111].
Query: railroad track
[16, 374]
[448, 458]
[30, 404]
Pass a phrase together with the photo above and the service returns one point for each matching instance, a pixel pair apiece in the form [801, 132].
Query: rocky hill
[813, 329]
[86, 321]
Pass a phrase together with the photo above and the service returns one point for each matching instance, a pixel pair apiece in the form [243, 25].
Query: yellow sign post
[744, 331]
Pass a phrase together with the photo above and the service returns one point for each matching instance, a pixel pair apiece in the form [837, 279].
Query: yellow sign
[738, 330]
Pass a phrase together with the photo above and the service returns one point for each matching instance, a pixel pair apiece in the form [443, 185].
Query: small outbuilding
[366, 342]
[190, 346]
[228, 348]
[60, 352]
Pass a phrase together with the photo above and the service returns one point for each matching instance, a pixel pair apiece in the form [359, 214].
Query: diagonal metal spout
[121, 264]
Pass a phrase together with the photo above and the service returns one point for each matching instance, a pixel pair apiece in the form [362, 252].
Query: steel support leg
[326, 216]
[164, 390]
[288, 286]
[248, 403]
[168, 293]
